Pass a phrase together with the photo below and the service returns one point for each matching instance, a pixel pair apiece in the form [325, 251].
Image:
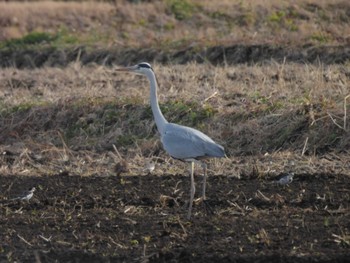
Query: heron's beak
[122, 69]
[133, 68]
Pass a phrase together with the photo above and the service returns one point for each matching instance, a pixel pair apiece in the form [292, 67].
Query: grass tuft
[33, 38]
[181, 9]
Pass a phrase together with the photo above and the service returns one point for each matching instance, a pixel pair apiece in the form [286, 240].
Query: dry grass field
[268, 80]
[175, 24]
[62, 115]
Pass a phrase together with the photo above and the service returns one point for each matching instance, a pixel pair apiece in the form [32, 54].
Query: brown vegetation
[176, 24]
[252, 110]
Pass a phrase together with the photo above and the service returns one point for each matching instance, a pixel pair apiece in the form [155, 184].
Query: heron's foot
[199, 200]
[205, 203]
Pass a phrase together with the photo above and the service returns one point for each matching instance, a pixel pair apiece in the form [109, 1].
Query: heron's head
[141, 68]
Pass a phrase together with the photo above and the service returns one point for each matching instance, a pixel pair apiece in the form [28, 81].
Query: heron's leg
[193, 190]
[204, 198]
[204, 166]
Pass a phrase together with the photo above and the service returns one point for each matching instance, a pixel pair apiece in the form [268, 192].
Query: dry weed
[67, 120]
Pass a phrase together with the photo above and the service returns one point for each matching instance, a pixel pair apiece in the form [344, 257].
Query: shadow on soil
[218, 55]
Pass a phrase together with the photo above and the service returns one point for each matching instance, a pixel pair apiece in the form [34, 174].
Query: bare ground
[142, 218]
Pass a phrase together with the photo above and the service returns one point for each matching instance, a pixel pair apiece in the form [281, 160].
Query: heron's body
[185, 143]
[180, 142]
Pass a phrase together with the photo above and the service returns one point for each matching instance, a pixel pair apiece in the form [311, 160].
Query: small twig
[77, 59]
[305, 145]
[281, 71]
[45, 238]
[263, 196]
[144, 251]
[74, 235]
[341, 239]
[183, 228]
[133, 222]
[25, 241]
[115, 243]
[67, 151]
[334, 121]
[19, 211]
[211, 96]
[176, 189]
[116, 150]
[345, 115]
[316, 120]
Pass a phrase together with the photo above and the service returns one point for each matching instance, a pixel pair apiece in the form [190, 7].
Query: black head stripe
[145, 65]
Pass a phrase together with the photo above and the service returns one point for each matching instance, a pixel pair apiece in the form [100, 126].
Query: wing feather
[184, 143]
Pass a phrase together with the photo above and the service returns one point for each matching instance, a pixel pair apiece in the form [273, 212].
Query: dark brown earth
[143, 219]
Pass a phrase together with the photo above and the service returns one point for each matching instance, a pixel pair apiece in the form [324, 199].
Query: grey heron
[180, 142]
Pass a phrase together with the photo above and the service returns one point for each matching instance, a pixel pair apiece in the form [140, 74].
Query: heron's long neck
[158, 115]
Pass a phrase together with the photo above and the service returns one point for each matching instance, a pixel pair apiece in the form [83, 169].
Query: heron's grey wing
[181, 145]
[184, 143]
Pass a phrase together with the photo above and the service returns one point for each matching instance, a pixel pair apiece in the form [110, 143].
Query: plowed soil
[143, 219]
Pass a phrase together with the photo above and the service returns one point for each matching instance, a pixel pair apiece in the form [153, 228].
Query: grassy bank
[285, 109]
